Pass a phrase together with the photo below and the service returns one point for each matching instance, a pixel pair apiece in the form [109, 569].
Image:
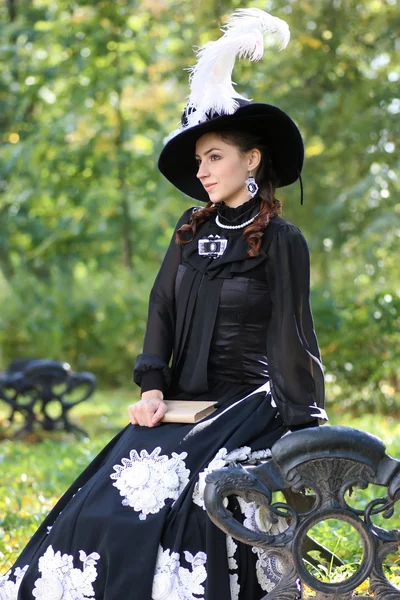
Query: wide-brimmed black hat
[215, 106]
[281, 135]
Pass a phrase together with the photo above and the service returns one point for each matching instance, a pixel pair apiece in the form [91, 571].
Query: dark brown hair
[267, 183]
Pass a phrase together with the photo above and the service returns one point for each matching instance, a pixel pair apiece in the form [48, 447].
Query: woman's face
[223, 169]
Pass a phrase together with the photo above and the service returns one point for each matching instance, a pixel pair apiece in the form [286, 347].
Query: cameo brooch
[212, 246]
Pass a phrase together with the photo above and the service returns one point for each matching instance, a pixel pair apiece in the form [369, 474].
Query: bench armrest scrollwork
[330, 461]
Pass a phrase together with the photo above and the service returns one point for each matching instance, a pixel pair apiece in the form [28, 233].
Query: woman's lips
[209, 186]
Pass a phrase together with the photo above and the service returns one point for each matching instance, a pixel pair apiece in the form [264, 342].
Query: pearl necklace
[218, 222]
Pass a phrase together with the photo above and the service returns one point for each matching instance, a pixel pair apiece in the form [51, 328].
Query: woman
[231, 306]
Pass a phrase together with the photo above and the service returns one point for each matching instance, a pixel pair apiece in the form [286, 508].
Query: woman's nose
[202, 171]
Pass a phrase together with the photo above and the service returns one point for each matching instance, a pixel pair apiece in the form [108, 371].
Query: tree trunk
[126, 222]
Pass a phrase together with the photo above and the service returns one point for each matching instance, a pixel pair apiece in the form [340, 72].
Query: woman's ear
[254, 159]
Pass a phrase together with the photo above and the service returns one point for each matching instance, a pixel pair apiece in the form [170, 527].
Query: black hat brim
[177, 160]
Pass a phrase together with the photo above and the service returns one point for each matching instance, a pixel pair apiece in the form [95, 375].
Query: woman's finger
[160, 412]
[147, 413]
[131, 415]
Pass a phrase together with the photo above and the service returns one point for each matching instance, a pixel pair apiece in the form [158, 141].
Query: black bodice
[238, 350]
[236, 318]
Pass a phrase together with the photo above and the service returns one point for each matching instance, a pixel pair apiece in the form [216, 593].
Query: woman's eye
[212, 157]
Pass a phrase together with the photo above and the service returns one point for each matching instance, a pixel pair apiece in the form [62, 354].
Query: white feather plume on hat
[213, 105]
[211, 86]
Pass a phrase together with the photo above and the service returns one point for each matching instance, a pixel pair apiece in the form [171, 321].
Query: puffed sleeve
[152, 366]
[294, 361]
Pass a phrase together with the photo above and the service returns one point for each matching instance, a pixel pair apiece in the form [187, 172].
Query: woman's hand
[149, 411]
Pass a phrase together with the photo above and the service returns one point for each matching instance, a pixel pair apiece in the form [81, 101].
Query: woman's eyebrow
[208, 151]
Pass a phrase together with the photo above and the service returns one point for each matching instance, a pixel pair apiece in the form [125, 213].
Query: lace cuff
[150, 372]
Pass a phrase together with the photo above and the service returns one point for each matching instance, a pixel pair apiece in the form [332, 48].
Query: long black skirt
[133, 525]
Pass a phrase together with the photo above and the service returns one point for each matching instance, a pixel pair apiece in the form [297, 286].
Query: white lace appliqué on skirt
[223, 459]
[231, 547]
[145, 481]
[8, 588]
[60, 580]
[268, 568]
[174, 582]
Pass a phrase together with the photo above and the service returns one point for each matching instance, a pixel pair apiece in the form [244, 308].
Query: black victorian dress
[239, 330]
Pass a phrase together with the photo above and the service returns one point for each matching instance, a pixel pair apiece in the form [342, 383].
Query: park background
[88, 92]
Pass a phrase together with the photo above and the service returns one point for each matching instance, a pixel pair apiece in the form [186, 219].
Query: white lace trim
[265, 387]
[223, 459]
[257, 518]
[145, 481]
[268, 570]
[9, 589]
[174, 582]
[60, 580]
[203, 424]
[231, 547]
[235, 587]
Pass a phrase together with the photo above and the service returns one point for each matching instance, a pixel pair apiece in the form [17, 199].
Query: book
[187, 411]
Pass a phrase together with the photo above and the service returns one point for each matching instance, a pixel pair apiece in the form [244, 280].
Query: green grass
[38, 469]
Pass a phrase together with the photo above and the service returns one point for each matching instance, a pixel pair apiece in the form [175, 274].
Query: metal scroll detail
[329, 461]
[30, 386]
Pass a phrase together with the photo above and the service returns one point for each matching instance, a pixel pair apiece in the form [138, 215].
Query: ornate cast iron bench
[330, 461]
[30, 387]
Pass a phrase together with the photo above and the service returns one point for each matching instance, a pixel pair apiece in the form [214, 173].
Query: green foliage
[344, 542]
[34, 475]
[88, 91]
[86, 320]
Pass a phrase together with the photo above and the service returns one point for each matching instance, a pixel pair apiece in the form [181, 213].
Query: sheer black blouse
[235, 318]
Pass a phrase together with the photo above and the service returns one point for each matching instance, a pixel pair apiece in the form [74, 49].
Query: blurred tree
[88, 91]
